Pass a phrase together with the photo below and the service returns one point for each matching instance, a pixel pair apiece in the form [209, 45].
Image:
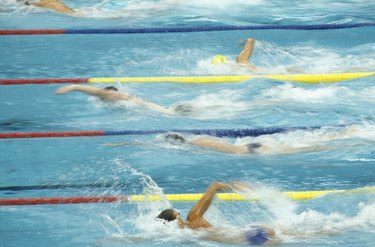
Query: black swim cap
[168, 215]
[111, 88]
[183, 109]
[175, 137]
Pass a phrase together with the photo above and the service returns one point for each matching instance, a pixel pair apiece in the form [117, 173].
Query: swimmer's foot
[175, 138]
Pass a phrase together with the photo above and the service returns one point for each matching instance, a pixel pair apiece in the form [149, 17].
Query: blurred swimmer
[268, 145]
[242, 59]
[112, 94]
[55, 5]
[256, 235]
[220, 145]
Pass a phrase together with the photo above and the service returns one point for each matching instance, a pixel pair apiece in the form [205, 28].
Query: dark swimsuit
[257, 236]
[252, 147]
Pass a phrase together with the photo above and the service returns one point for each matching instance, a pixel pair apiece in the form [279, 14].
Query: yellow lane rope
[301, 78]
[294, 195]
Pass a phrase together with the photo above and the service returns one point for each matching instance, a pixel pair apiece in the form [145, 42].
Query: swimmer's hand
[252, 67]
[240, 186]
[247, 65]
[66, 89]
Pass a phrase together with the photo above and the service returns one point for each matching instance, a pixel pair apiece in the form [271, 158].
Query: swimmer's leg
[217, 144]
[247, 51]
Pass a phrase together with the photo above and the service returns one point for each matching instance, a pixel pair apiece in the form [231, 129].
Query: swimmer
[242, 59]
[220, 145]
[257, 235]
[268, 146]
[112, 94]
[55, 5]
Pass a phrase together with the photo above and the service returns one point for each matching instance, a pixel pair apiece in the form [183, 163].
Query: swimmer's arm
[113, 96]
[244, 57]
[54, 5]
[90, 90]
[201, 207]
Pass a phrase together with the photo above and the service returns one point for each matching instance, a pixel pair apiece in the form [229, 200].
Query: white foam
[314, 140]
[311, 223]
[291, 223]
[205, 66]
[292, 93]
[133, 9]
[277, 211]
[222, 4]
[222, 104]
[310, 59]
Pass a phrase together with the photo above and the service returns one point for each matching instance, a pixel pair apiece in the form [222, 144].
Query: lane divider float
[185, 29]
[211, 132]
[294, 195]
[300, 78]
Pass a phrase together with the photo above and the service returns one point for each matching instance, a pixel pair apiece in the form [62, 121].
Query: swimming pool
[84, 166]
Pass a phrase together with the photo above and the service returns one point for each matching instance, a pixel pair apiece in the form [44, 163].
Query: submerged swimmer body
[55, 5]
[257, 235]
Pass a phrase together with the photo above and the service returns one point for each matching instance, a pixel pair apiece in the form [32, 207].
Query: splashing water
[232, 219]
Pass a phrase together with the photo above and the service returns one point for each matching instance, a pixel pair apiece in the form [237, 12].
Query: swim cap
[218, 59]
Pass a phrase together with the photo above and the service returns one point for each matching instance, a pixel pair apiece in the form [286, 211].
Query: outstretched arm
[113, 96]
[90, 90]
[55, 5]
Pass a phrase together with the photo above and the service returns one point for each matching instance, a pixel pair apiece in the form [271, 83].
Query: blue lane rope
[212, 132]
[217, 28]
[215, 132]
[184, 29]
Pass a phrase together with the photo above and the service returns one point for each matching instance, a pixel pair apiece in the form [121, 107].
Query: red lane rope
[42, 81]
[8, 135]
[28, 32]
[63, 200]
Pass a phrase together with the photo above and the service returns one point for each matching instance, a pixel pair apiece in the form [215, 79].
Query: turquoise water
[85, 166]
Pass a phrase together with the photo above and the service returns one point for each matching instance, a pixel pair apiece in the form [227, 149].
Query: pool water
[85, 166]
